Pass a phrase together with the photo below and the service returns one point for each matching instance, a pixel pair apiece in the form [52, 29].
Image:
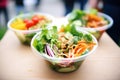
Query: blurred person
[19, 6]
[69, 5]
[37, 3]
[3, 9]
[30, 5]
[112, 8]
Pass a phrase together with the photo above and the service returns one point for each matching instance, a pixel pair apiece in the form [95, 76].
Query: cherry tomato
[26, 20]
[35, 19]
[40, 17]
[29, 23]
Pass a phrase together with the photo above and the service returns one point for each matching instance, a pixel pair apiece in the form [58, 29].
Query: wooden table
[18, 62]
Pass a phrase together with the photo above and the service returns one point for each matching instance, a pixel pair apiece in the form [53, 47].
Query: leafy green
[51, 36]
[72, 29]
[76, 15]
[77, 23]
[77, 35]
[46, 36]
[30, 35]
[87, 37]
[75, 32]
[76, 39]
[93, 11]
[66, 28]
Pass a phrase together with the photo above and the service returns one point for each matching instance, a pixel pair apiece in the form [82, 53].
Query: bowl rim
[64, 59]
[107, 17]
[28, 14]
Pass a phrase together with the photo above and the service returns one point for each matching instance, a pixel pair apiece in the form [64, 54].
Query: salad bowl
[25, 26]
[64, 49]
[92, 21]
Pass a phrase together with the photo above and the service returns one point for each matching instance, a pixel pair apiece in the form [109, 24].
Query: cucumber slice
[67, 69]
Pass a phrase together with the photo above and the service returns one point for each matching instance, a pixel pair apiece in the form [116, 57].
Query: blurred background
[11, 8]
[57, 8]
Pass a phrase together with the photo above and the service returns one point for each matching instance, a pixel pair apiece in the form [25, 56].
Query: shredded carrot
[90, 45]
[81, 47]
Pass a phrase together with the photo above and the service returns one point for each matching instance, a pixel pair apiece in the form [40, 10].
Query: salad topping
[89, 19]
[29, 23]
[65, 43]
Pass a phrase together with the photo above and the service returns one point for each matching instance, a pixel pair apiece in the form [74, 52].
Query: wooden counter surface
[18, 62]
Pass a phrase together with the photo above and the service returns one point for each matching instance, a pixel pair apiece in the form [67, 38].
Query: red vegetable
[49, 51]
[35, 19]
[29, 23]
[26, 20]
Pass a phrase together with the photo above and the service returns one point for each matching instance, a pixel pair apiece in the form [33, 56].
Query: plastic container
[64, 65]
[25, 36]
[97, 32]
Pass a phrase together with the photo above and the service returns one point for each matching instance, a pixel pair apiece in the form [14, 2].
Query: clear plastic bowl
[64, 65]
[97, 32]
[25, 36]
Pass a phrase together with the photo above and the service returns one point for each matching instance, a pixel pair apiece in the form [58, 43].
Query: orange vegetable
[81, 47]
[94, 21]
[61, 30]
[94, 18]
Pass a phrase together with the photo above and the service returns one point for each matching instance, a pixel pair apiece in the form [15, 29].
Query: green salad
[65, 43]
[90, 19]
[60, 46]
